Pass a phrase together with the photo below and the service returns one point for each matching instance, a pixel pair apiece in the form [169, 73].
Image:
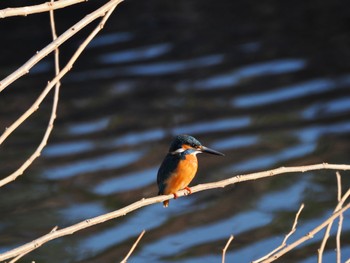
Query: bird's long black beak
[211, 151]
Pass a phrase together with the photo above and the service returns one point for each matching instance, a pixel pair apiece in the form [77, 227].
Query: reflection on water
[90, 127]
[261, 69]
[235, 142]
[139, 54]
[149, 69]
[217, 125]
[69, 148]
[249, 89]
[105, 162]
[206, 234]
[283, 94]
[270, 160]
[134, 180]
[109, 39]
[330, 107]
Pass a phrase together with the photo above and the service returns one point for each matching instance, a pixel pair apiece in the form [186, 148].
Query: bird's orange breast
[183, 175]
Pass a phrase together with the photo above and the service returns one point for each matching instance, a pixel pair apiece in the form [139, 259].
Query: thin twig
[284, 242]
[328, 229]
[20, 256]
[226, 247]
[133, 247]
[341, 217]
[24, 69]
[53, 114]
[28, 10]
[310, 234]
[157, 199]
[36, 104]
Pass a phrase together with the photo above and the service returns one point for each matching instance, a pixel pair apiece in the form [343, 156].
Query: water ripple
[255, 70]
[127, 182]
[293, 196]
[108, 39]
[110, 161]
[80, 211]
[268, 160]
[135, 138]
[313, 134]
[212, 126]
[88, 127]
[235, 142]
[162, 68]
[67, 148]
[149, 69]
[338, 105]
[138, 54]
[283, 94]
[113, 235]
[178, 242]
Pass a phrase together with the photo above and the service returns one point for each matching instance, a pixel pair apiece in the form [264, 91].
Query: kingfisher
[180, 165]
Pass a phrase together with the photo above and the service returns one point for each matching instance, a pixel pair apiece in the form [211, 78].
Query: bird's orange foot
[188, 190]
[175, 195]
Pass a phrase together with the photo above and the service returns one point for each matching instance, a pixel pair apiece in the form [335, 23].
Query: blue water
[265, 83]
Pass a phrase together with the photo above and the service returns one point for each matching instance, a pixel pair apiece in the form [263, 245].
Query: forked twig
[49, 86]
[24, 69]
[326, 234]
[284, 242]
[307, 236]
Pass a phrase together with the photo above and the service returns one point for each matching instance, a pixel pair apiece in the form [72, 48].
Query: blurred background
[265, 82]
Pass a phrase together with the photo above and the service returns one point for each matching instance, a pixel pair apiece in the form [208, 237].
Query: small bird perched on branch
[180, 165]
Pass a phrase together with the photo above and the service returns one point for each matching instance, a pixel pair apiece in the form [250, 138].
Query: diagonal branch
[328, 229]
[284, 242]
[24, 69]
[307, 236]
[28, 10]
[133, 247]
[226, 247]
[35, 106]
[341, 218]
[148, 201]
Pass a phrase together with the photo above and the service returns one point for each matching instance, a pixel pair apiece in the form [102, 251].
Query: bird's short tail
[166, 203]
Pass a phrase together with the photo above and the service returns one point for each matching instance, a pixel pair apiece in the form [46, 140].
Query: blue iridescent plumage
[180, 165]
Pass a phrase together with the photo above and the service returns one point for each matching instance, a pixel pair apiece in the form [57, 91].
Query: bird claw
[189, 191]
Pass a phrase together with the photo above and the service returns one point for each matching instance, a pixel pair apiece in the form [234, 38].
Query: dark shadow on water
[267, 83]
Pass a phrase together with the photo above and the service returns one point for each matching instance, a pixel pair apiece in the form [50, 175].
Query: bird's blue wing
[166, 169]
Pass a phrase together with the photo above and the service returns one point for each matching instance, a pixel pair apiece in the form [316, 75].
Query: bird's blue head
[186, 142]
[181, 141]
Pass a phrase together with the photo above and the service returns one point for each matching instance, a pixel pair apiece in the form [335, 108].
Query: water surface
[267, 83]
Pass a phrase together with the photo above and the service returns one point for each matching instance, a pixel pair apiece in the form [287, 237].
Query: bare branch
[284, 242]
[28, 10]
[226, 247]
[36, 104]
[341, 217]
[148, 201]
[133, 247]
[326, 234]
[311, 233]
[24, 69]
